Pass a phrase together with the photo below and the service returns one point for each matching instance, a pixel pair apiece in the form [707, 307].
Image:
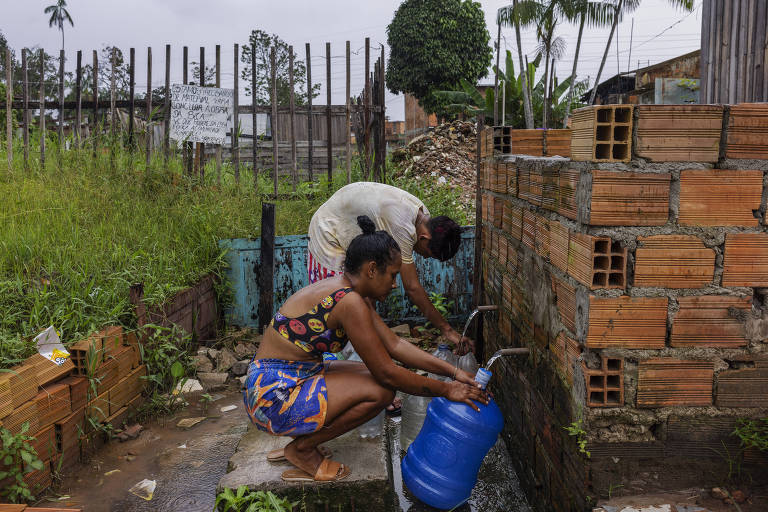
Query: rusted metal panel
[452, 279]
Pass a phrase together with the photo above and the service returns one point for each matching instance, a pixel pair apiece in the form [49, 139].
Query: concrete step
[367, 488]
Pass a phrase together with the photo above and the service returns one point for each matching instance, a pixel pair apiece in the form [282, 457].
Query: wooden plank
[348, 115]
[267, 265]
[131, 98]
[61, 103]
[149, 107]
[200, 145]
[382, 106]
[78, 100]
[25, 98]
[273, 119]
[733, 80]
[167, 105]
[42, 105]
[9, 111]
[367, 108]
[218, 85]
[705, 52]
[328, 116]
[187, 145]
[309, 106]
[253, 117]
[113, 97]
[95, 106]
[235, 122]
[292, 106]
[477, 267]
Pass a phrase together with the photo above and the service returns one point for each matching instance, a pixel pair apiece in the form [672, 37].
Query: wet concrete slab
[367, 488]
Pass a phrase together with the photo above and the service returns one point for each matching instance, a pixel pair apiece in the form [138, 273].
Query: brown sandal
[327, 471]
[279, 454]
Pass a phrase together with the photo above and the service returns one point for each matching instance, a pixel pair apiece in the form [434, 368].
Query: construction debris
[446, 154]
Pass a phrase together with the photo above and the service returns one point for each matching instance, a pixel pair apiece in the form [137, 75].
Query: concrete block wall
[641, 287]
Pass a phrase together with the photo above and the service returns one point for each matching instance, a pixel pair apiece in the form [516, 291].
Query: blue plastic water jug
[441, 465]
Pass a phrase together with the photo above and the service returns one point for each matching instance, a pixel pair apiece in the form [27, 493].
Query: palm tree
[509, 16]
[551, 47]
[597, 14]
[620, 8]
[59, 15]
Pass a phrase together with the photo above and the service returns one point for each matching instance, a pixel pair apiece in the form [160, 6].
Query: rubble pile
[447, 153]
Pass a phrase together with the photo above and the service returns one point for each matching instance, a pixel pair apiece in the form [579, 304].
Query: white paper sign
[49, 346]
[200, 114]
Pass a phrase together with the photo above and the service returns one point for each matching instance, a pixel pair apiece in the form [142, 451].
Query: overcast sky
[660, 32]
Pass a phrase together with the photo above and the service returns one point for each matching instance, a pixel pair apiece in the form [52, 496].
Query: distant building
[416, 120]
[671, 81]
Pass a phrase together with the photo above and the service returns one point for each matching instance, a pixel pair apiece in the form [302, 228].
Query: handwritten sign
[200, 114]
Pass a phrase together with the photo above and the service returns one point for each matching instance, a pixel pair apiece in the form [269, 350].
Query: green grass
[76, 234]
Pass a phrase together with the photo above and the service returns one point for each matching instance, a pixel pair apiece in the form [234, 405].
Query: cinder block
[627, 322]
[605, 386]
[746, 260]
[568, 184]
[602, 134]
[679, 133]
[541, 241]
[747, 387]
[671, 382]
[709, 321]
[559, 236]
[747, 135]
[720, 197]
[596, 262]
[673, 261]
[513, 220]
[529, 229]
[629, 199]
[53, 404]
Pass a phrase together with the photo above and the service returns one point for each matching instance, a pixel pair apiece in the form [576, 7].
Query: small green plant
[752, 433]
[576, 429]
[613, 487]
[167, 357]
[244, 500]
[205, 401]
[18, 458]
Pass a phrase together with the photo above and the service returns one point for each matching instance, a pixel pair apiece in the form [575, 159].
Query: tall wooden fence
[318, 142]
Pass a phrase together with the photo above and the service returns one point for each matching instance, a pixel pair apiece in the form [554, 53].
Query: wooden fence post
[42, 109]
[218, 85]
[294, 171]
[187, 145]
[329, 119]
[236, 118]
[167, 105]
[255, 149]
[78, 99]
[477, 270]
[131, 103]
[367, 111]
[95, 134]
[25, 93]
[200, 145]
[61, 104]
[112, 96]
[376, 125]
[382, 106]
[9, 106]
[275, 155]
[310, 152]
[267, 266]
[347, 137]
[149, 106]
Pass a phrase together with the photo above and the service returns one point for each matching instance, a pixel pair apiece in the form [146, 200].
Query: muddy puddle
[185, 464]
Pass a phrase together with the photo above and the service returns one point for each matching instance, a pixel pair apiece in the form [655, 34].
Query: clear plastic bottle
[468, 363]
[372, 428]
[444, 352]
[412, 418]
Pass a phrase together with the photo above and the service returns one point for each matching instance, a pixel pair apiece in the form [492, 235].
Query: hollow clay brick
[568, 183]
[566, 303]
[498, 212]
[513, 220]
[746, 260]
[596, 262]
[710, 321]
[542, 241]
[747, 134]
[529, 229]
[44, 444]
[498, 177]
[671, 382]
[558, 245]
[6, 402]
[746, 387]
[605, 385]
[550, 188]
[629, 199]
[558, 142]
[602, 133]
[27, 412]
[511, 178]
[53, 404]
[720, 197]
[502, 141]
[565, 351]
[673, 261]
[527, 142]
[627, 322]
[23, 382]
[679, 133]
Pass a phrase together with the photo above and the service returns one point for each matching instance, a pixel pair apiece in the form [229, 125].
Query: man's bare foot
[306, 459]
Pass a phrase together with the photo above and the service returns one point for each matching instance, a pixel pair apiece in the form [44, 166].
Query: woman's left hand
[465, 377]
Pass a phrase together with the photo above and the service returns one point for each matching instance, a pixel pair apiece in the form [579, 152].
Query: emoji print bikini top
[310, 331]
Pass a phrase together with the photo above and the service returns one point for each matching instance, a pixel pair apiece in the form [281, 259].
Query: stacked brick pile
[64, 404]
[637, 273]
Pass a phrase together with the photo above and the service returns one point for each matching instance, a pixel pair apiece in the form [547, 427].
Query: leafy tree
[263, 43]
[434, 44]
[59, 14]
